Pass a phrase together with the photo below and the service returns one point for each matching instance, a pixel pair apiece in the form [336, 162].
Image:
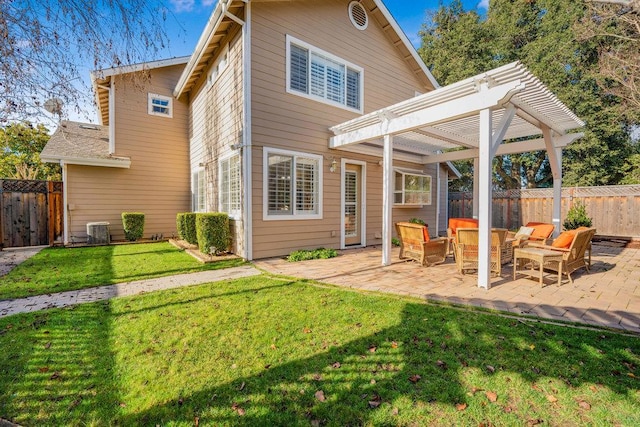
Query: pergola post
[476, 184]
[484, 198]
[555, 161]
[387, 199]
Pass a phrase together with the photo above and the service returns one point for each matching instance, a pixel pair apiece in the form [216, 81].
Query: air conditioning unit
[98, 233]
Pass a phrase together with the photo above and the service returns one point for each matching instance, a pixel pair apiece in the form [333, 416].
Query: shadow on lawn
[66, 365]
[418, 365]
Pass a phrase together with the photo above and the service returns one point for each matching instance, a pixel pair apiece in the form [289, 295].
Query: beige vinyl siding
[216, 125]
[287, 121]
[157, 183]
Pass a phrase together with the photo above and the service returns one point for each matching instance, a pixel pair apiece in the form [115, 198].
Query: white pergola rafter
[477, 114]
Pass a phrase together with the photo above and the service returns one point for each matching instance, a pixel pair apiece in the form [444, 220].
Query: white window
[412, 188]
[160, 105]
[199, 191]
[292, 185]
[230, 186]
[322, 76]
[219, 66]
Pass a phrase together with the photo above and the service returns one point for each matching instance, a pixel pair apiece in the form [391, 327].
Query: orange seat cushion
[455, 223]
[425, 233]
[564, 240]
[541, 230]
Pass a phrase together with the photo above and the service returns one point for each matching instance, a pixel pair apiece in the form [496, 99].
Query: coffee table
[541, 256]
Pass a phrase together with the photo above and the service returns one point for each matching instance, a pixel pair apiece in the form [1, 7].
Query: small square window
[160, 105]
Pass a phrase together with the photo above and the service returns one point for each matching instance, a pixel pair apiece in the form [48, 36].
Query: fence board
[615, 210]
[30, 212]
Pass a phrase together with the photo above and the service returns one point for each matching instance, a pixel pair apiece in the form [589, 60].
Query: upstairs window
[319, 75]
[160, 105]
[219, 66]
[412, 188]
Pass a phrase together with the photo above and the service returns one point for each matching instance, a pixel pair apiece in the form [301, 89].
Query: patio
[609, 296]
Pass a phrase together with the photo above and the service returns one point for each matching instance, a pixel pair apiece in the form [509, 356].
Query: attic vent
[358, 15]
[89, 127]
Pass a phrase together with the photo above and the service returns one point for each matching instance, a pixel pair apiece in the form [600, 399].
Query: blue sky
[192, 16]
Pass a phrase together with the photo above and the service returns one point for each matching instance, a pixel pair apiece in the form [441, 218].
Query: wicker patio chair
[573, 257]
[466, 247]
[416, 244]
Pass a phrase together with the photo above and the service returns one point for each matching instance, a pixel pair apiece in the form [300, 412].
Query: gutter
[115, 162]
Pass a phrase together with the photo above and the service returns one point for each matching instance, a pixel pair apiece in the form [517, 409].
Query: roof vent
[358, 15]
[91, 127]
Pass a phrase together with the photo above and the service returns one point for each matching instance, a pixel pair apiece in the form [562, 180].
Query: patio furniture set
[531, 249]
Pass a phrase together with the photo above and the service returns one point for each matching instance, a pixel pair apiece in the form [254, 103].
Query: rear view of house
[243, 127]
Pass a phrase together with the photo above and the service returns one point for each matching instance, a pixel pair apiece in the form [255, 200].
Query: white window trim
[311, 48]
[195, 190]
[416, 173]
[265, 185]
[152, 96]
[224, 54]
[236, 214]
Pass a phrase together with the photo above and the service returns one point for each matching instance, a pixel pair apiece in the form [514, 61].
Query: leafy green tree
[20, 145]
[457, 44]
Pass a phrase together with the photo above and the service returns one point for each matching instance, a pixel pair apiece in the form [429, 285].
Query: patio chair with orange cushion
[416, 244]
[573, 244]
[454, 224]
[467, 249]
[533, 232]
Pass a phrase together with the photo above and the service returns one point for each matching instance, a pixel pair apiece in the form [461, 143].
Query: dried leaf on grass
[551, 398]
[414, 378]
[492, 396]
[394, 344]
[320, 396]
[461, 406]
[534, 422]
[375, 402]
[238, 409]
[584, 405]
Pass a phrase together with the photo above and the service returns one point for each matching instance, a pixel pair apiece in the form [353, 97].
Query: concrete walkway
[64, 299]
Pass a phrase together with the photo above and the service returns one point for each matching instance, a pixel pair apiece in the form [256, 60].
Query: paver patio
[609, 296]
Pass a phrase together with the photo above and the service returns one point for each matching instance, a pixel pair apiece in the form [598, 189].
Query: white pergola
[477, 114]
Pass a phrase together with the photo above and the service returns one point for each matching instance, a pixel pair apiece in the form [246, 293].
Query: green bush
[417, 221]
[190, 234]
[395, 241]
[577, 217]
[212, 231]
[133, 224]
[304, 255]
[180, 225]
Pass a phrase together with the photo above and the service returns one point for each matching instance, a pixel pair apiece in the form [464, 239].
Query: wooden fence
[615, 210]
[30, 212]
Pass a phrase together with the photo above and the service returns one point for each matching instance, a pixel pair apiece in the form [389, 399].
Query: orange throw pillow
[455, 223]
[564, 240]
[425, 233]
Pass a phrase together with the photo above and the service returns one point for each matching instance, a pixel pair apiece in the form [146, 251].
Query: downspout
[438, 184]
[65, 203]
[247, 213]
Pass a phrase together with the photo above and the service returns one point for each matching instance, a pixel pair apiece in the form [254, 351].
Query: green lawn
[266, 351]
[65, 269]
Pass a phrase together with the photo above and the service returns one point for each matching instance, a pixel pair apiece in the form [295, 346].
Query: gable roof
[81, 144]
[229, 12]
[100, 80]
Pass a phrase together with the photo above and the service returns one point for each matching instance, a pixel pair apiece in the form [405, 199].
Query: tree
[458, 44]
[614, 25]
[21, 145]
[46, 45]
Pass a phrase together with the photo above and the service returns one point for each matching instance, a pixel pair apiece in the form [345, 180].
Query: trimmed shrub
[190, 234]
[304, 255]
[212, 230]
[133, 224]
[180, 225]
[577, 217]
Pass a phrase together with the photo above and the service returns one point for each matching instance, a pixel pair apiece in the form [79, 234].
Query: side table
[541, 256]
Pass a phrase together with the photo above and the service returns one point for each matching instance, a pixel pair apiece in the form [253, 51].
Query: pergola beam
[537, 144]
[485, 97]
